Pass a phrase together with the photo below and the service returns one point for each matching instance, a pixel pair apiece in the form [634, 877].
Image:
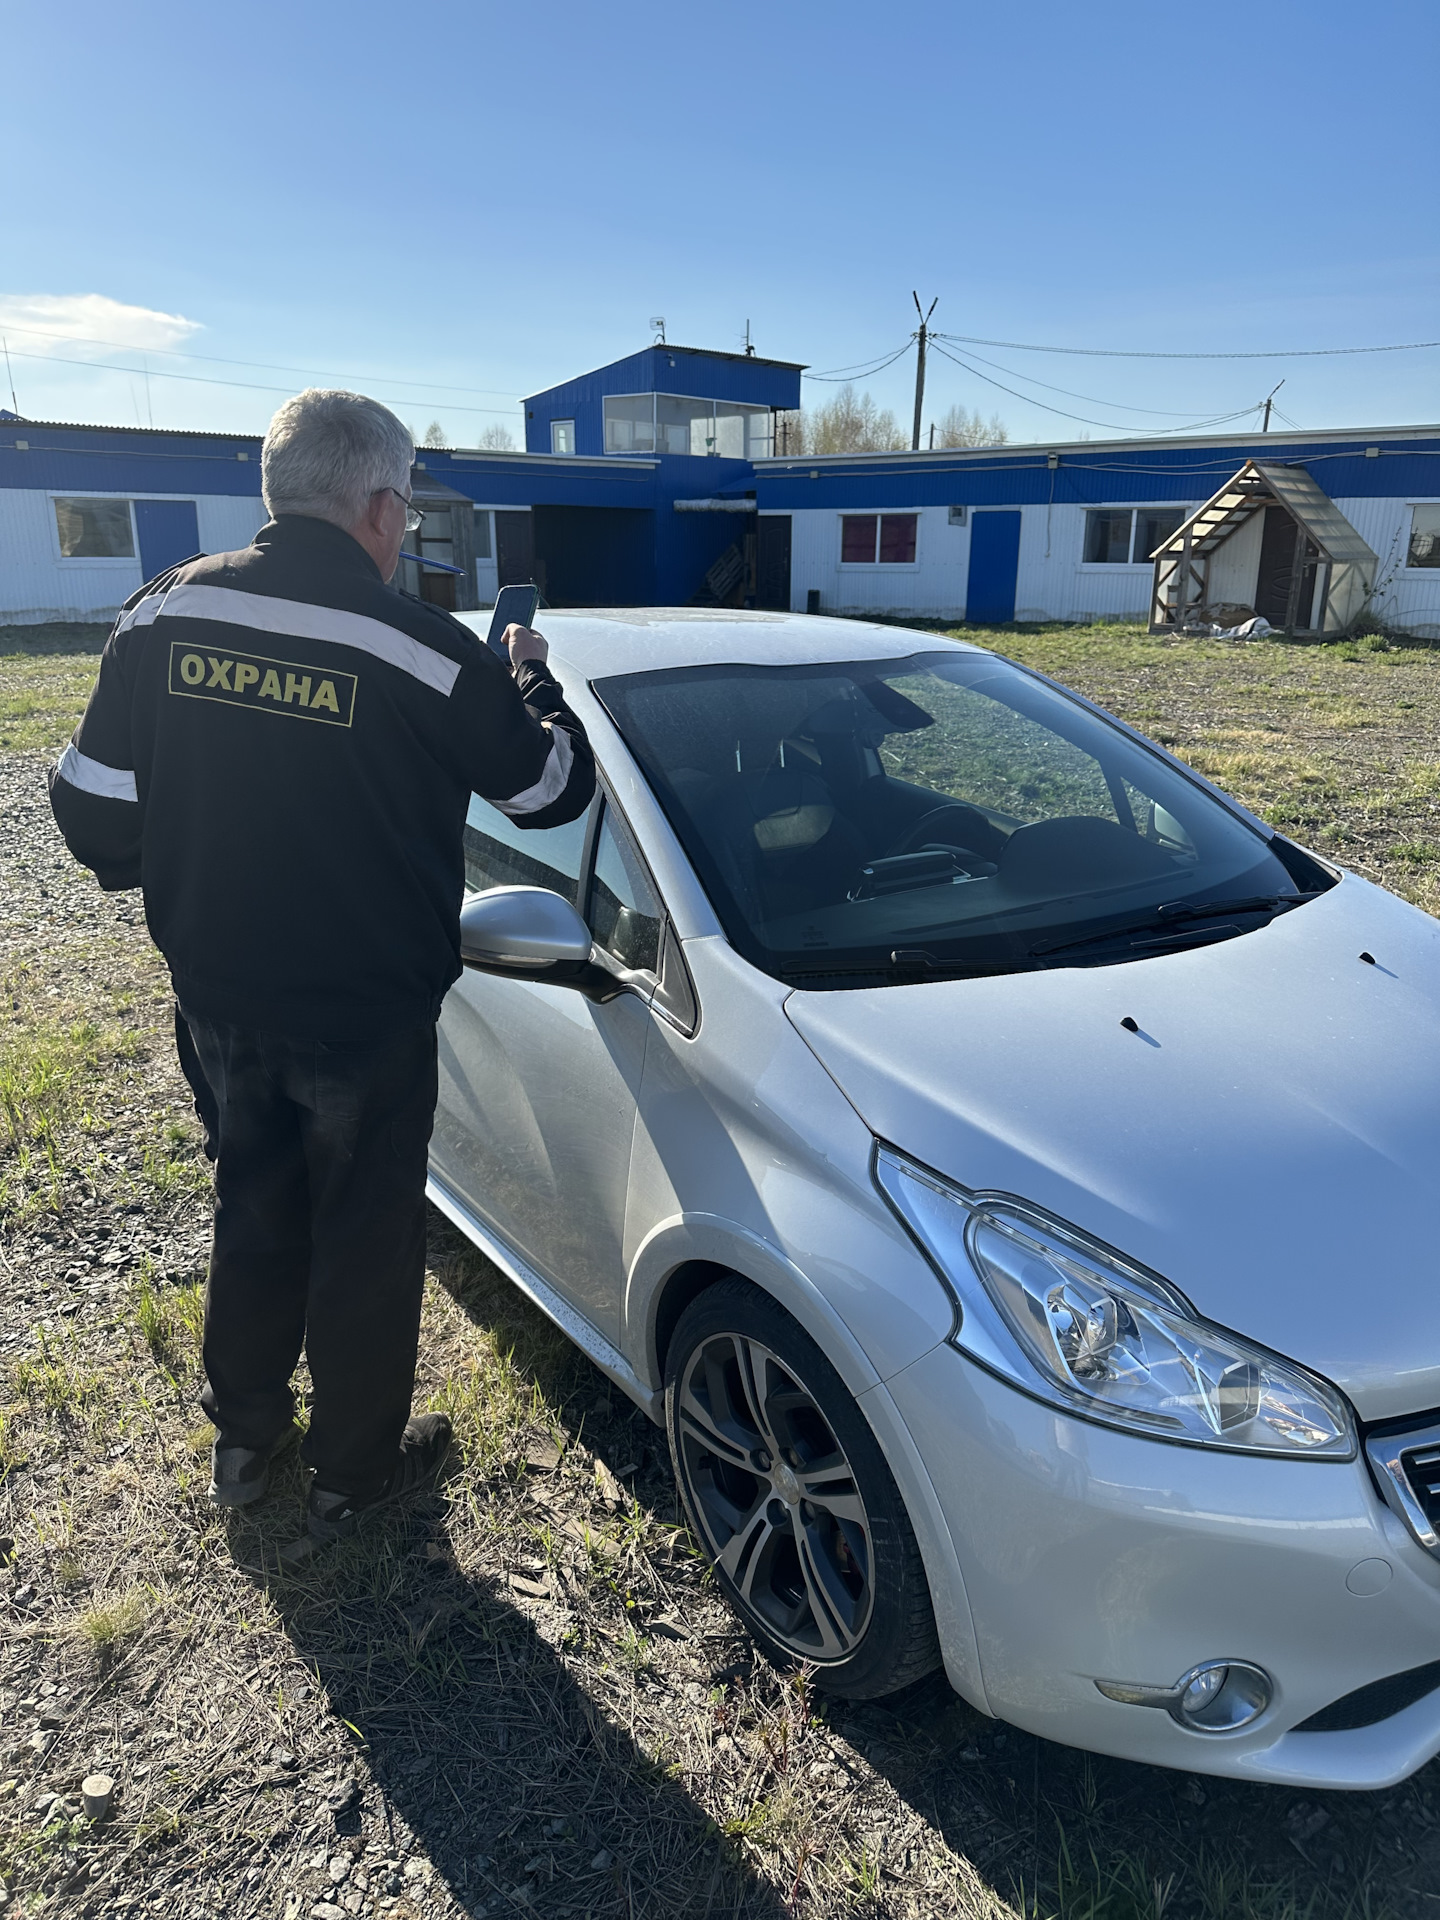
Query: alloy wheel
[775, 1497]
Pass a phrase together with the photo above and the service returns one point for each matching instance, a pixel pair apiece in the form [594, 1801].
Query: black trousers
[320, 1153]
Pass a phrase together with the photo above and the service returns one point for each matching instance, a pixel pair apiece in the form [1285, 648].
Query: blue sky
[453, 206]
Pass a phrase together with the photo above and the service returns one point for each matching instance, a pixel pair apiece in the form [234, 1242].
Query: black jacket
[281, 749]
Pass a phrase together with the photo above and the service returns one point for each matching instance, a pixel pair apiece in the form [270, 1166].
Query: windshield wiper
[906, 964]
[1177, 913]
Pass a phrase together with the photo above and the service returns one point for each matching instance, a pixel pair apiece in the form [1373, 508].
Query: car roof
[597, 642]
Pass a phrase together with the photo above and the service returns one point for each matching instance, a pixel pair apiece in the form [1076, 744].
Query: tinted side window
[625, 914]
[500, 854]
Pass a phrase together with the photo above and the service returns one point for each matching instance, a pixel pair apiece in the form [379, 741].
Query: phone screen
[514, 606]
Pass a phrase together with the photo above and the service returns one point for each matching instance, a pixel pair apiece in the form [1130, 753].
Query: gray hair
[327, 451]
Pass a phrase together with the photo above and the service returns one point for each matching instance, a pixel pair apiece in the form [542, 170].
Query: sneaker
[423, 1447]
[239, 1476]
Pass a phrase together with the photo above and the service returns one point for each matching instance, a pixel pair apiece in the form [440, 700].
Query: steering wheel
[913, 832]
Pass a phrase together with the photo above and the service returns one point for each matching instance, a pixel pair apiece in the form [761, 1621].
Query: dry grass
[523, 1695]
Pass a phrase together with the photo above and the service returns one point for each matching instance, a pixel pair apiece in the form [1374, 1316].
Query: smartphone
[514, 606]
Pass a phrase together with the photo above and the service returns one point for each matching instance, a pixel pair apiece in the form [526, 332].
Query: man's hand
[525, 643]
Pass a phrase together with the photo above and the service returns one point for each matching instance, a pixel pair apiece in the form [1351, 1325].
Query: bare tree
[434, 436]
[962, 428]
[848, 425]
[498, 437]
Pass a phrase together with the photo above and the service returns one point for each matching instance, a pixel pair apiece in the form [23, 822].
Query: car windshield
[950, 812]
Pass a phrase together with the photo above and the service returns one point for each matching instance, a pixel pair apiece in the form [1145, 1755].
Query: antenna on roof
[657, 322]
[13, 401]
[749, 347]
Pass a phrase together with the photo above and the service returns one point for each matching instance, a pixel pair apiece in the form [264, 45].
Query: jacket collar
[301, 536]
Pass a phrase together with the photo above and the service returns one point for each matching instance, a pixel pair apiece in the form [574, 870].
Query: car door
[538, 1084]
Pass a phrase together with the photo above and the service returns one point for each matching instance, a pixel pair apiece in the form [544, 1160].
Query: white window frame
[1417, 573]
[570, 423]
[877, 565]
[1133, 508]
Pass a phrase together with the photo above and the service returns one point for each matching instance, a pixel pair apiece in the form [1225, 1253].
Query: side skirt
[591, 1342]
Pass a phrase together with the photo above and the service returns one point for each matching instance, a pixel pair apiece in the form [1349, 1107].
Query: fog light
[1221, 1697]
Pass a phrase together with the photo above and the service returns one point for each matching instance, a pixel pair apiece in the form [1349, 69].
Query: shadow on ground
[477, 1740]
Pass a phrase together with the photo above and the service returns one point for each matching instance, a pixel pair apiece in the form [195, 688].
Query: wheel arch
[683, 1256]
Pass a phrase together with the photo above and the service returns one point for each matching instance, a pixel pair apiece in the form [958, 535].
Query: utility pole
[921, 337]
[1268, 399]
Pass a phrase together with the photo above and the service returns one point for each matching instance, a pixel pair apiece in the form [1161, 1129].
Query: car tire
[788, 1492]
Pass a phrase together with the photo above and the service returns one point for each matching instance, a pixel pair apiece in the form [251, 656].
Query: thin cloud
[89, 321]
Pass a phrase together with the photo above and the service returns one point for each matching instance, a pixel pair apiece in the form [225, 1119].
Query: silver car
[1006, 1168]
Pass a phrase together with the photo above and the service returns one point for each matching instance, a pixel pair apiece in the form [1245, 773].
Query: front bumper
[1090, 1554]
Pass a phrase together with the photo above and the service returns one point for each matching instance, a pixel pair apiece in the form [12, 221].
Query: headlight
[1074, 1323]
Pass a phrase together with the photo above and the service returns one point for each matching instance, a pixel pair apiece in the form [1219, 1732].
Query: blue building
[655, 481]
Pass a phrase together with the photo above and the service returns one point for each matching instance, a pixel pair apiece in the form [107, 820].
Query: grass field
[524, 1696]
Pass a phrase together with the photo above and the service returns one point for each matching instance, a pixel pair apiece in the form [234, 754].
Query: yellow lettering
[297, 689]
[245, 676]
[269, 686]
[325, 697]
[192, 669]
[220, 673]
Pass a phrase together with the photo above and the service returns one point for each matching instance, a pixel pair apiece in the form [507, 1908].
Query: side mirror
[521, 929]
[529, 933]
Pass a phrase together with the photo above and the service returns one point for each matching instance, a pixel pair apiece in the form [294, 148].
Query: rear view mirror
[521, 928]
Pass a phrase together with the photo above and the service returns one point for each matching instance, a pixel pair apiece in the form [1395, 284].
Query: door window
[498, 853]
[625, 912]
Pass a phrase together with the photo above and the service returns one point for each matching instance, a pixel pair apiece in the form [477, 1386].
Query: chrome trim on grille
[1391, 1457]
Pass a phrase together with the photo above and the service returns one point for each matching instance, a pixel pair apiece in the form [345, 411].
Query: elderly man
[280, 749]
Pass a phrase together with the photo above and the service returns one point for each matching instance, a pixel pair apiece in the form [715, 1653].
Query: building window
[562, 436]
[883, 539]
[1127, 536]
[1424, 537]
[678, 423]
[683, 425]
[483, 548]
[95, 529]
[630, 423]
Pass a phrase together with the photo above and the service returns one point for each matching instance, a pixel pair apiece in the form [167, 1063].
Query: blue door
[994, 563]
[168, 534]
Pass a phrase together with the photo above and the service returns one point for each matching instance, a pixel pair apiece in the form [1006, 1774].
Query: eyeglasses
[413, 514]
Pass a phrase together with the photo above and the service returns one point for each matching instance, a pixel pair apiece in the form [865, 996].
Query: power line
[1162, 413]
[210, 380]
[260, 366]
[1137, 353]
[862, 370]
[1111, 426]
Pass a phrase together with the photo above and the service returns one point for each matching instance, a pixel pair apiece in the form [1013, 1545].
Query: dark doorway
[168, 534]
[592, 556]
[1281, 543]
[514, 548]
[772, 564]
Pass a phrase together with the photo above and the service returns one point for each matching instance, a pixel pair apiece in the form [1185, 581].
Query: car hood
[1269, 1140]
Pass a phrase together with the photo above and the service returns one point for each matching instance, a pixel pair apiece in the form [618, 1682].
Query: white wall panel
[226, 521]
[36, 584]
[1404, 597]
[934, 586]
